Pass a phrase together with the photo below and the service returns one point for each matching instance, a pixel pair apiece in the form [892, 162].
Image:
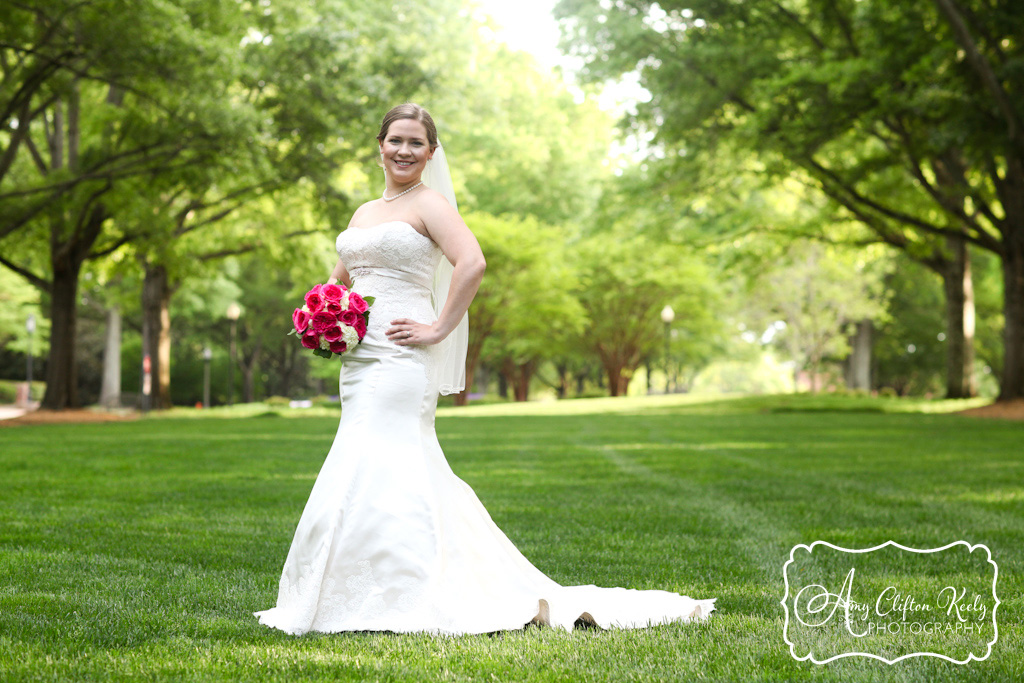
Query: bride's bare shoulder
[431, 204]
[363, 210]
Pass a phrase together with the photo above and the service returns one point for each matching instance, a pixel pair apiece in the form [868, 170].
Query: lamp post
[234, 311]
[667, 316]
[30, 327]
[207, 355]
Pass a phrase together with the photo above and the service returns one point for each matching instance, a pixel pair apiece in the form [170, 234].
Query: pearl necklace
[386, 198]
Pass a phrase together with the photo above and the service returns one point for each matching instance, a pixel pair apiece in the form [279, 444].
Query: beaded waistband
[405, 276]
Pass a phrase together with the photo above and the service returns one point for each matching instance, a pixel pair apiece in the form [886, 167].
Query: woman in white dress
[391, 539]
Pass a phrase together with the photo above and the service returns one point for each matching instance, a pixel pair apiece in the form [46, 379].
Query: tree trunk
[815, 366]
[618, 379]
[249, 364]
[519, 376]
[520, 389]
[563, 379]
[62, 366]
[247, 383]
[156, 299]
[481, 378]
[110, 392]
[859, 376]
[959, 290]
[462, 398]
[66, 257]
[477, 335]
[1012, 385]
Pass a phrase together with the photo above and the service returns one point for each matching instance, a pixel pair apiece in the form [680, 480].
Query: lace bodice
[394, 263]
[394, 245]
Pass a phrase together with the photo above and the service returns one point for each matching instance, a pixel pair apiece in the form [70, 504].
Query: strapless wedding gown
[391, 539]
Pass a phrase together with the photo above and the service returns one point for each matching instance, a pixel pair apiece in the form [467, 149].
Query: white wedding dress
[391, 539]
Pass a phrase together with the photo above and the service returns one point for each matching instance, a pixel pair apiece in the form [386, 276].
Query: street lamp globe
[234, 311]
[667, 315]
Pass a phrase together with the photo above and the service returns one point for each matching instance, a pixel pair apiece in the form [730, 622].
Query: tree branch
[828, 177]
[44, 170]
[952, 205]
[844, 27]
[144, 165]
[222, 253]
[35, 280]
[246, 248]
[199, 205]
[818, 42]
[713, 82]
[984, 70]
[209, 219]
[121, 241]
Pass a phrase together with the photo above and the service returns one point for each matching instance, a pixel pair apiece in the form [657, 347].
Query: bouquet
[332, 321]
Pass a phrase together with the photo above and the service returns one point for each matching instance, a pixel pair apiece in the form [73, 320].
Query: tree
[85, 80]
[528, 303]
[819, 294]
[160, 119]
[860, 98]
[909, 345]
[625, 282]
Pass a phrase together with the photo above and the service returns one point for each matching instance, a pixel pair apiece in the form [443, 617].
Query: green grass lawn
[139, 550]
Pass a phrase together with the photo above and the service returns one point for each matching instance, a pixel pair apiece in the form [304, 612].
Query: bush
[277, 401]
[9, 390]
[323, 401]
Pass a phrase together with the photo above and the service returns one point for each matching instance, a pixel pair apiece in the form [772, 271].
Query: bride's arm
[459, 245]
[340, 274]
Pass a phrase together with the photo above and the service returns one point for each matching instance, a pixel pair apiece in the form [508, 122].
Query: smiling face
[405, 150]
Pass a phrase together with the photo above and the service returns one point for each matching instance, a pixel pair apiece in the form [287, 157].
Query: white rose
[349, 335]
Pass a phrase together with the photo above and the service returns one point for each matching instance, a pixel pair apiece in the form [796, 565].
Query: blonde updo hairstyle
[412, 111]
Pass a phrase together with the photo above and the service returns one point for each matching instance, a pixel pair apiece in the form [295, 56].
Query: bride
[391, 539]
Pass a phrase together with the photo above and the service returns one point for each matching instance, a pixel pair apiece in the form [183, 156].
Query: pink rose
[331, 292]
[332, 333]
[314, 300]
[349, 317]
[300, 319]
[310, 341]
[338, 347]
[360, 327]
[357, 303]
[323, 320]
[333, 307]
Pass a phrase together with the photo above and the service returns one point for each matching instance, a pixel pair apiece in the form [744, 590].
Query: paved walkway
[7, 412]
